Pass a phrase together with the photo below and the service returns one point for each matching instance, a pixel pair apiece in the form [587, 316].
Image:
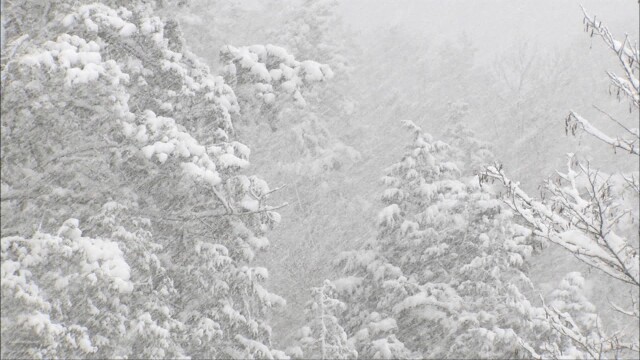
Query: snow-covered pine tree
[107, 119]
[592, 214]
[444, 273]
[313, 29]
[270, 73]
[471, 153]
[308, 30]
[323, 337]
[271, 84]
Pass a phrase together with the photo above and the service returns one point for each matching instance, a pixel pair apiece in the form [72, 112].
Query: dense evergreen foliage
[135, 226]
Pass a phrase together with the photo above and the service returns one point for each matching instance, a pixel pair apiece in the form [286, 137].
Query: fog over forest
[320, 179]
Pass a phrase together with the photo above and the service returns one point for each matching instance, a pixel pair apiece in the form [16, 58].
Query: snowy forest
[320, 179]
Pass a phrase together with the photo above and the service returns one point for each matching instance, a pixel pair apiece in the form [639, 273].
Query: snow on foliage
[272, 71]
[324, 337]
[268, 80]
[586, 212]
[140, 148]
[42, 277]
[389, 216]
[439, 257]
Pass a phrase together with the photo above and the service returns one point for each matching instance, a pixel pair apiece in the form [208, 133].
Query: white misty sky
[494, 24]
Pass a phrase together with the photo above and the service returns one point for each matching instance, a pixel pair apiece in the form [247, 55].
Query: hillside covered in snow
[320, 179]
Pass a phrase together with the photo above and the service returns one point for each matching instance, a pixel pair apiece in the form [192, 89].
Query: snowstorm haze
[493, 26]
[320, 179]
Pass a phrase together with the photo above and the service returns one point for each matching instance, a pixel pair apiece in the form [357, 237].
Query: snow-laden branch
[627, 85]
[582, 226]
[206, 214]
[634, 311]
[583, 213]
[565, 325]
[628, 55]
[576, 329]
[574, 121]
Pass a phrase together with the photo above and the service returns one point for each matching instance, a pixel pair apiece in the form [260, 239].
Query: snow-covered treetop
[272, 70]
